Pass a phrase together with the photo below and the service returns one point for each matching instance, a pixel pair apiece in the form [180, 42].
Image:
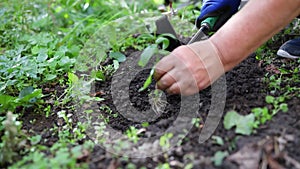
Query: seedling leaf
[26, 91]
[147, 54]
[50, 77]
[219, 157]
[244, 124]
[165, 42]
[169, 35]
[284, 107]
[218, 140]
[32, 97]
[100, 75]
[42, 56]
[146, 36]
[148, 81]
[116, 64]
[120, 57]
[270, 99]
[72, 77]
[230, 119]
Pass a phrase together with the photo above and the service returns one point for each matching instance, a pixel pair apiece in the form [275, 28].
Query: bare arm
[258, 21]
[194, 67]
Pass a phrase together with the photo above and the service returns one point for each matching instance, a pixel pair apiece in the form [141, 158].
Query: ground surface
[42, 124]
[245, 90]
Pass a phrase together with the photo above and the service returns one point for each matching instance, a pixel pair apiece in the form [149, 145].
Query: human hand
[189, 68]
[223, 9]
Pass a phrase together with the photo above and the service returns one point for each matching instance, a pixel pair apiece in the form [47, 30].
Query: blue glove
[224, 9]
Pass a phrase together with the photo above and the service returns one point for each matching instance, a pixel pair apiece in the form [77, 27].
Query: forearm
[258, 21]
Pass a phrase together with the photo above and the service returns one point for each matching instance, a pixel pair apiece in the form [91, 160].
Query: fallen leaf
[272, 69]
[97, 94]
[248, 157]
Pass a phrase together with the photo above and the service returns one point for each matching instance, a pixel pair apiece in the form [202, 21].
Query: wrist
[209, 57]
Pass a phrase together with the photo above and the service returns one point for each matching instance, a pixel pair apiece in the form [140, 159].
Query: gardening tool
[203, 32]
[163, 25]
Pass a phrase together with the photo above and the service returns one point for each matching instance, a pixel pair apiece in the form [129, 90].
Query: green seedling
[196, 122]
[150, 51]
[243, 124]
[27, 97]
[262, 115]
[132, 134]
[219, 157]
[164, 141]
[278, 104]
[163, 166]
[13, 139]
[218, 140]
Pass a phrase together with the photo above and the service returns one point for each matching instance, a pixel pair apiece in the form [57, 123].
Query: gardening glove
[223, 9]
[189, 68]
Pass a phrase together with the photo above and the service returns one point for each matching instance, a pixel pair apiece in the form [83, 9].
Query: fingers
[165, 65]
[177, 82]
[166, 80]
[185, 89]
[173, 72]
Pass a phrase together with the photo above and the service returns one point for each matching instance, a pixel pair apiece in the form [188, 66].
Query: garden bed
[76, 101]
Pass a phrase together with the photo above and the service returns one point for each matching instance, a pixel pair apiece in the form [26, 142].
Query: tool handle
[206, 27]
[210, 22]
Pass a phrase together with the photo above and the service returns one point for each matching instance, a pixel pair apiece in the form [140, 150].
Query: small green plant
[278, 104]
[151, 50]
[67, 117]
[164, 141]
[196, 122]
[243, 124]
[132, 134]
[218, 140]
[27, 97]
[262, 115]
[259, 116]
[219, 157]
[13, 139]
[163, 166]
[61, 157]
[108, 113]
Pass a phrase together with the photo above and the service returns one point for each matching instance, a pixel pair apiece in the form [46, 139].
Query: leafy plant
[277, 104]
[262, 115]
[150, 51]
[13, 139]
[243, 124]
[27, 97]
[219, 157]
[61, 157]
[164, 140]
[196, 122]
[132, 134]
[218, 140]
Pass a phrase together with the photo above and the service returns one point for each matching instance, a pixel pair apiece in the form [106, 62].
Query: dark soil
[245, 90]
